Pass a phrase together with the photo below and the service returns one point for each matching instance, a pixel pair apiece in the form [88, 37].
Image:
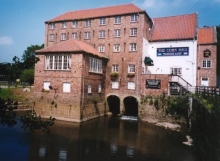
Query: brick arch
[131, 106]
[114, 104]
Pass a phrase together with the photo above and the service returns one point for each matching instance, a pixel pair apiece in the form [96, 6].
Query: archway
[114, 104]
[131, 106]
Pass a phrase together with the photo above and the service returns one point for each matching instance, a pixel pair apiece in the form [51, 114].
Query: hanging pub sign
[153, 83]
[178, 51]
[207, 53]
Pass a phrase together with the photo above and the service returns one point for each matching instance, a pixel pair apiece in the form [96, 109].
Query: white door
[204, 81]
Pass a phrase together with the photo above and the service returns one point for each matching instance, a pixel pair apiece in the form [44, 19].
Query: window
[102, 34]
[88, 23]
[102, 21]
[51, 37]
[95, 65]
[46, 85]
[133, 32]
[206, 63]
[131, 85]
[101, 48]
[75, 24]
[66, 87]
[131, 68]
[63, 25]
[89, 88]
[115, 68]
[117, 33]
[176, 71]
[74, 35]
[134, 18]
[52, 26]
[116, 48]
[133, 47]
[87, 35]
[63, 36]
[57, 62]
[115, 85]
[117, 19]
[99, 88]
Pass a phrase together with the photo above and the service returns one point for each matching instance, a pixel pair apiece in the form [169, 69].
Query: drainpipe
[83, 84]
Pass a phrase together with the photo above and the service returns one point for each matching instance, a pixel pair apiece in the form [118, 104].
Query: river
[102, 139]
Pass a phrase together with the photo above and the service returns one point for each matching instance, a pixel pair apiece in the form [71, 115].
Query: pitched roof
[98, 12]
[206, 35]
[71, 46]
[174, 27]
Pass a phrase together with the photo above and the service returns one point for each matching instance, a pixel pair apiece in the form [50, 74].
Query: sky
[22, 22]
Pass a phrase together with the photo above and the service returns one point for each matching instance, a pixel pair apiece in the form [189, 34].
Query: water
[102, 139]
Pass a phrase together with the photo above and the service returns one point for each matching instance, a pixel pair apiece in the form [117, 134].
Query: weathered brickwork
[210, 73]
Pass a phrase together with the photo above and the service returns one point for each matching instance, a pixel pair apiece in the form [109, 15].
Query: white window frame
[134, 18]
[116, 47]
[117, 33]
[115, 68]
[66, 87]
[52, 26]
[117, 19]
[101, 48]
[102, 34]
[46, 85]
[131, 68]
[99, 88]
[115, 84]
[63, 37]
[87, 35]
[63, 24]
[74, 35]
[206, 63]
[95, 65]
[133, 47]
[102, 21]
[75, 24]
[131, 85]
[89, 88]
[58, 62]
[133, 32]
[51, 37]
[88, 23]
[176, 71]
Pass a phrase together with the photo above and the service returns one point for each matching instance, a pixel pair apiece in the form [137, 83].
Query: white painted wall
[162, 64]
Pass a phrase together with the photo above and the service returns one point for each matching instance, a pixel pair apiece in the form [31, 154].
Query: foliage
[29, 58]
[205, 126]
[95, 100]
[28, 76]
[114, 75]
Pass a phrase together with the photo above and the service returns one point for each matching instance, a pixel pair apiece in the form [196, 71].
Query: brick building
[121, 40]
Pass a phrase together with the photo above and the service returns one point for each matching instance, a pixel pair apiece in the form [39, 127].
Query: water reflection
[109, 139]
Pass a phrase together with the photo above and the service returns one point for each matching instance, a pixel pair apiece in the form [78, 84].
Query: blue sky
[22, 21]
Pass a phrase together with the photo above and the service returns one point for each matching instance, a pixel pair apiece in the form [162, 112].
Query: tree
[28, 76]
[29, 58]
[17, 68]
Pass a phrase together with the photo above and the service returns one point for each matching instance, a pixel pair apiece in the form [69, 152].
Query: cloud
[5, 40]
[153, 4]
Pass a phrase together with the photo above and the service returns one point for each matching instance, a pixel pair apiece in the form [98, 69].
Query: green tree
[17, 68]
[29, 58]
[28, 76]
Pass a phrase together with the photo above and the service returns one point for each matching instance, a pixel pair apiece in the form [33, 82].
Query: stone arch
[131, 106]
[114, 104]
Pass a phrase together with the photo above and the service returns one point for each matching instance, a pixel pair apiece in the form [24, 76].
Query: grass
[15, 94]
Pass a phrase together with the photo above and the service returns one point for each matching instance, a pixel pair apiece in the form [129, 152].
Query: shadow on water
[109, 139]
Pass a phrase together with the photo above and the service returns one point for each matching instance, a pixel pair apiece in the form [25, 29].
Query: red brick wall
[210, 73]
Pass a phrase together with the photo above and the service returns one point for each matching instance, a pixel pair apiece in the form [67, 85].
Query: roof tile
[174, 27]
[71, 46]
[206, 35]
[98, 12]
